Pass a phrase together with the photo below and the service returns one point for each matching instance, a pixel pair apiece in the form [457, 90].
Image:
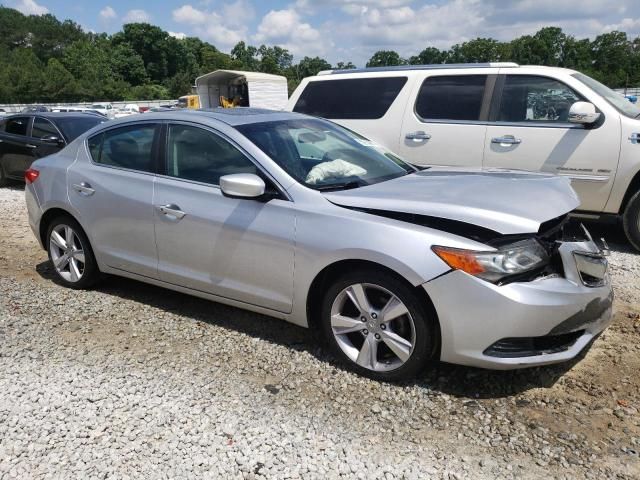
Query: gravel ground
[133, 381]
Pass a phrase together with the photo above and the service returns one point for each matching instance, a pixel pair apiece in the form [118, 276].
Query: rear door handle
[83, 188]
[635, 138]
[171, 210]
[506, 140]
[417, 136]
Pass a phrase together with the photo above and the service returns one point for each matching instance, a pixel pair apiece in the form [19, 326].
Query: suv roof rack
[435, 66]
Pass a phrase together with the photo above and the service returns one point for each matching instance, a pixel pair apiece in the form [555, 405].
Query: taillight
[31, 175]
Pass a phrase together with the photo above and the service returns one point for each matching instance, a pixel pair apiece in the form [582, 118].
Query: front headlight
[493, 266]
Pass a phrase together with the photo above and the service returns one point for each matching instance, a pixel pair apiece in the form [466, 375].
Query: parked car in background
[76, 109]
[495, 115]
[128, 109]
[3, 112]
[394, 265]
[35, 108]
[26, 138]
[105, 109]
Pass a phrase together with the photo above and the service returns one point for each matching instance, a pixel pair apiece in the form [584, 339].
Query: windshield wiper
[340, 186]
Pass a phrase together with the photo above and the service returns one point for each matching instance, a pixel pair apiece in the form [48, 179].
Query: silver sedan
[298, 218]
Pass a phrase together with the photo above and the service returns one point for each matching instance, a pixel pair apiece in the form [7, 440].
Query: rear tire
[631, 221]
[70, 254]
[376, 325]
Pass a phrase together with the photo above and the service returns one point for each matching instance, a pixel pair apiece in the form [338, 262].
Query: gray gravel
[132, 381]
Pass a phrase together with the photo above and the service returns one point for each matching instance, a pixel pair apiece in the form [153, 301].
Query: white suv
[495, 115]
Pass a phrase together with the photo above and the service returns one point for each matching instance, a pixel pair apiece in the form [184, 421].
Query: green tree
[429, 56]
[611, 54]
[344, 66]
[58, 83]
[385, 58]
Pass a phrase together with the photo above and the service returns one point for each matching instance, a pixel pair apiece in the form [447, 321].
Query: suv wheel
[70, 254]
[631, 221]
[376, 325]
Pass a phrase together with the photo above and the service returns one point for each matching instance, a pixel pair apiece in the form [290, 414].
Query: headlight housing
[513, 259]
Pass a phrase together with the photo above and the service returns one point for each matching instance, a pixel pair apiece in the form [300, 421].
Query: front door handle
[30, 145]
[83, 188]
[417, 136]
[506, 140]
[171, 210]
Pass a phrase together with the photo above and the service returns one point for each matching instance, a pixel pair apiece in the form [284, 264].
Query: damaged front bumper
[521, 324]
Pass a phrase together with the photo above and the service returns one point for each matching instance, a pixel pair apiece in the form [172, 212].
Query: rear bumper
[500, 327]
[34, 211]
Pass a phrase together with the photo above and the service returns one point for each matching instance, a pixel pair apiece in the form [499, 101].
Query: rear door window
[128, 147]
[17, 126]
[451, 97]
[354, 98]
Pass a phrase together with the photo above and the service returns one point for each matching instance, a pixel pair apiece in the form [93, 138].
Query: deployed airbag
[334, 169]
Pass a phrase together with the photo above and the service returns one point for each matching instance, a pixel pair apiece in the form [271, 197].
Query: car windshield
[325, 156]
[74, 127]
[618, 101]
[99, 106]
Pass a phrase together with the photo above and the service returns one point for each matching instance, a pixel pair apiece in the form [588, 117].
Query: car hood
[505, 201]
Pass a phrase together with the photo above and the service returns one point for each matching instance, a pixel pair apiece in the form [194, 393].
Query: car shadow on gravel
[459, 381]
[14, 185]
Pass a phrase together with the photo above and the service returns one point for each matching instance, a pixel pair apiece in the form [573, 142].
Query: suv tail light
[31, 175]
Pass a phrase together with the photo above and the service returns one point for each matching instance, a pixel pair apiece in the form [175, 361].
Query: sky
[347, 30]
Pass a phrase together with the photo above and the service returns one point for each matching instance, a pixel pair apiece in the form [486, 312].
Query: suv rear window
[451, 97]
[354, 98]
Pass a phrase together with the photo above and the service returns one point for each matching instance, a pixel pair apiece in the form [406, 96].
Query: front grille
[532, 346]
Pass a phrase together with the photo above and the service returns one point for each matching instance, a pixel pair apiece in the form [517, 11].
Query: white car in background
[128, 109]
[105, 109]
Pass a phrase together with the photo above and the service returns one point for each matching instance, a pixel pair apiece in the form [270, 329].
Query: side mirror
[583, 113]
[242, 185]
[52, 140]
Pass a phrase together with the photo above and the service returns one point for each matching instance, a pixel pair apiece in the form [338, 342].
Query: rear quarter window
[353, 98]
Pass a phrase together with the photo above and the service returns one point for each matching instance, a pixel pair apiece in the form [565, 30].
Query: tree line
[43, 59]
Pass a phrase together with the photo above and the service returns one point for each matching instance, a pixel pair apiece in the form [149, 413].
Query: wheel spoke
[74, 270]
[393, 309]
[58, 241]
[398, 345]
[342, 324]
[61, 262]
[359, 298]
[368, 356]
[68, 235]
[79, 255]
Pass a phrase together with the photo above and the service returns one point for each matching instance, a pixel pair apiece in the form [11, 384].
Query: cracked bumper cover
[475, 314]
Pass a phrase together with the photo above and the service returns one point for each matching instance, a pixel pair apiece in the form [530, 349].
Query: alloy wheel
[67, 253]
[373, 327]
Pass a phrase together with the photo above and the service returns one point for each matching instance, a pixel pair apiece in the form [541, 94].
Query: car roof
[231, 116]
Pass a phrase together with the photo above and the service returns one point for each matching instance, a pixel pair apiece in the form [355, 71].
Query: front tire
[70, 254]
[375, 324]
[631, 220]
